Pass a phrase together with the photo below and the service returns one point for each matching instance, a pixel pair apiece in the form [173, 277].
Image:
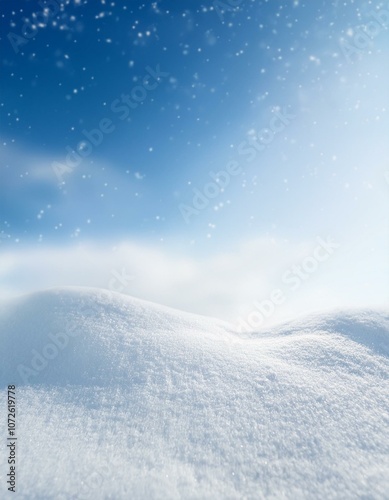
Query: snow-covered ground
[121, 398]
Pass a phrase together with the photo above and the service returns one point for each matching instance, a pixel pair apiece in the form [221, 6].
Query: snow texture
[140, 401]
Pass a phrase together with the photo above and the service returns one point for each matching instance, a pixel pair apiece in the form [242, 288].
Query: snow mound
[121, 398]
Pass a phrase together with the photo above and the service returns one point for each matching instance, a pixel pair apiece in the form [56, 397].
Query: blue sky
[224, 76]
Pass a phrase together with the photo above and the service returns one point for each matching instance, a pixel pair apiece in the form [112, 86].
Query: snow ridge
[121, 398]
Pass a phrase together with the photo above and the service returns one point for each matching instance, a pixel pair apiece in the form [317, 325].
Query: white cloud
[223, 285]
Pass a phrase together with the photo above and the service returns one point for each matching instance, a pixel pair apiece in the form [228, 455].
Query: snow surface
[146, 402]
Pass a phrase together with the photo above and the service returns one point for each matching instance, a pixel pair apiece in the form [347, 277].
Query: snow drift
[121, 398]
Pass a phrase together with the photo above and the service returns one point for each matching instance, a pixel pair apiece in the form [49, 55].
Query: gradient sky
[225, 75]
